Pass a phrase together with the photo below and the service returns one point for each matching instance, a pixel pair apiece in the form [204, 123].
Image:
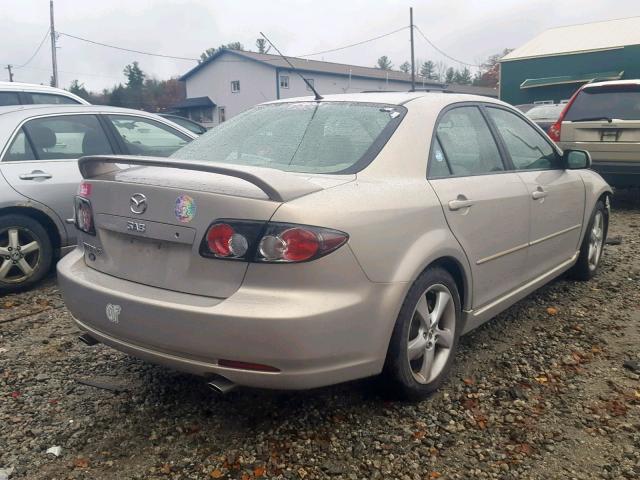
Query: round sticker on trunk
[185, 208]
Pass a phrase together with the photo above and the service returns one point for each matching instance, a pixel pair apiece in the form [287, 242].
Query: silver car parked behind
[39, 149]
[305, 243]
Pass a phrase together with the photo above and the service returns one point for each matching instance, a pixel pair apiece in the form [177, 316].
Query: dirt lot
[540, 392]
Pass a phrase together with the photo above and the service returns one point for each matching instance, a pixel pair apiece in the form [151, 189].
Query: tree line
[485, 76]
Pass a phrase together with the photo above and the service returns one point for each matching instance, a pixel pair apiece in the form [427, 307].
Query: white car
[14, 93]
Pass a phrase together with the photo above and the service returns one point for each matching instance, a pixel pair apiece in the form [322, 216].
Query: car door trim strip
[525, 245]
[553, 235]
[502, 254]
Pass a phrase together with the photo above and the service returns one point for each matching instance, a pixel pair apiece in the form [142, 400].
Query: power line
[127, 49]
[354, 44]
[196, 59]
[74, 73]
[36, 52]
[442, 52]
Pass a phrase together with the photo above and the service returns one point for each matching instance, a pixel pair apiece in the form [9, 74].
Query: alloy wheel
[431, 333]
[19, 254]
[596, 240]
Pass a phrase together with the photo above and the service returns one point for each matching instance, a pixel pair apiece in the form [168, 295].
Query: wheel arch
[41, 217]
[456, 270]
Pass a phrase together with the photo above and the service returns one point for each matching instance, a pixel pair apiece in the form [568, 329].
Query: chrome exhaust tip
[87, 339]
[221, 385]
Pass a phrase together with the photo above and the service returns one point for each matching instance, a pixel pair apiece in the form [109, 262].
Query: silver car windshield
[309, 137]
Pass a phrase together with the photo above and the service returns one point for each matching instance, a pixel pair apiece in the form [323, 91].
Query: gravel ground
[539, 392]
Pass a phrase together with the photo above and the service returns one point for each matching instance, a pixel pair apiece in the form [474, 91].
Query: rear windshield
[545, 112]
[621, 102]
[309, 137]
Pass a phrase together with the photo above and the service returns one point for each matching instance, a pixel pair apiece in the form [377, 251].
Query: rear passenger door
[41, 161]
[486, 206]
[556, 195]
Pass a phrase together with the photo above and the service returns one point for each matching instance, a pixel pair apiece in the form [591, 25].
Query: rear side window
[142, 136]
[69, 136]
[438, 165]
[20, 149]
[466, 143]
[313, 137]
[52, 99]
[527, 148]
[9, 98]
[620, 101]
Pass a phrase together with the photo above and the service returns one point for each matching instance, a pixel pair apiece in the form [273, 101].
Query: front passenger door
[486, 207]
[556, 195]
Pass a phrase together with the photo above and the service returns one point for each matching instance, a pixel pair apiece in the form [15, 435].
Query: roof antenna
[318, 96]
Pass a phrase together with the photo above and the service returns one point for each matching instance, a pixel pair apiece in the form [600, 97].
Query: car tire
[416, 341]
[26, 252]
[592, 245]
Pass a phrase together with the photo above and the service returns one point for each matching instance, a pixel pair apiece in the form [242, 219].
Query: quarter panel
[396, 226]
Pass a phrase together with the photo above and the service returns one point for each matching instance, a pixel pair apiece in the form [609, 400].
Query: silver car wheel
[596, 240]
[431, 333]
[19, 254]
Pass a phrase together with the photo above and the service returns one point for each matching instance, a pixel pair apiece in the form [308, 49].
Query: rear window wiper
[592, 119]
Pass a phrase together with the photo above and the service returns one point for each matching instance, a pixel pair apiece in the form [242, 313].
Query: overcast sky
[469, 30]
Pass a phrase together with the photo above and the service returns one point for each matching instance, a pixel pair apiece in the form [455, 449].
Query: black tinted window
[69, 136]
[622, 102]
[50, 98]
[467, 143]
[9, 98]
[19, 149]
[527, 148]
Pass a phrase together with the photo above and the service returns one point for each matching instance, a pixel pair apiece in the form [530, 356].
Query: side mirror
[576, 159]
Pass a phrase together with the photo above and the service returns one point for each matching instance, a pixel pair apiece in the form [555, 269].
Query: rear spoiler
[279, 186]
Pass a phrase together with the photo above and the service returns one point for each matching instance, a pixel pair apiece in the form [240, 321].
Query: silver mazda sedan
[305, 243]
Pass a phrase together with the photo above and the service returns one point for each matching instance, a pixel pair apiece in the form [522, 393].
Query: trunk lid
[155, 239]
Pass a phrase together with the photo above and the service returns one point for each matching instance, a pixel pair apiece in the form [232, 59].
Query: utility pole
[54, 60]
[413, 64]
[8, 67]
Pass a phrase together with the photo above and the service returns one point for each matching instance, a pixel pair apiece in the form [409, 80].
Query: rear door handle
[35, 175]
[460, 203]
[539, 193]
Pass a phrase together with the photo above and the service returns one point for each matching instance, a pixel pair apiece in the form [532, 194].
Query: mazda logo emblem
[138, 203]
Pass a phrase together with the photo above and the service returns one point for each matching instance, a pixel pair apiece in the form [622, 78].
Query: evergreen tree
[428, 70]
[77, 88]
[449, 75]
[384, 63]
[261, 44]
[405, 67]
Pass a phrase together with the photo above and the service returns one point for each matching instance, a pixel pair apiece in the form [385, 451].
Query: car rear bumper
[314, 337]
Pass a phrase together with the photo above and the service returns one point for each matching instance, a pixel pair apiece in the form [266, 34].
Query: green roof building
[553, 65]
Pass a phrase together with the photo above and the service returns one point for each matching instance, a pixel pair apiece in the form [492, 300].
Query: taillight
[271, 242]
[84, 189]
[224, 241]
[555, 129]
[84, 216]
